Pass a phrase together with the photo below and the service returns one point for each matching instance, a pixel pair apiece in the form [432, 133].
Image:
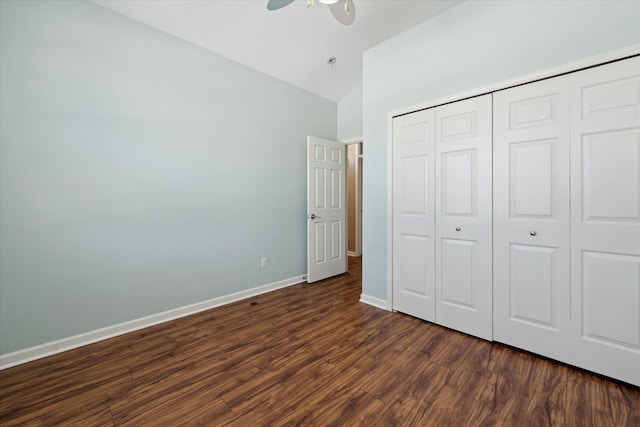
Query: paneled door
[605, 223]
[463, 280]
[413, 214]
[531, 217]
[326, 209]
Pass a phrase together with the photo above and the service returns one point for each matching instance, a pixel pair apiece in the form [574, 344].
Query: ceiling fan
[343, 10]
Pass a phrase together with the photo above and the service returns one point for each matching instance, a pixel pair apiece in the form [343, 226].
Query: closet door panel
[532, 177]
[605, 223]
[413, 215]
[532, 284]
[457, 273]
[463, 216]
[531, 217]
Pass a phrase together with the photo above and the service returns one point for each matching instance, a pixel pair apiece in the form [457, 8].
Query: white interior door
[463, 279]
[531, 217]
[605, 223]
[326, 209]
[413, 214]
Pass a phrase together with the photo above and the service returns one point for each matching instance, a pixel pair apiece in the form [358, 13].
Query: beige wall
[352, 159]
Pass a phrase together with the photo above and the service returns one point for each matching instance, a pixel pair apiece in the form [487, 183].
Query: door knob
[457, 228]
[313, 216]
[533, 233]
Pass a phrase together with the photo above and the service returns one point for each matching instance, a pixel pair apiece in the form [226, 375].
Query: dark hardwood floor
[307, 355]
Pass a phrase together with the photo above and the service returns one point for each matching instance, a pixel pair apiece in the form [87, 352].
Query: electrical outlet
[263, 263]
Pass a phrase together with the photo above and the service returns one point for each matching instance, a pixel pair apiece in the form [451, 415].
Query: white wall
[473, 44]
[139, 173]
[350, 115]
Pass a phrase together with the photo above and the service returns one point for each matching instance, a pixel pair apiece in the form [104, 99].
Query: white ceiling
[292, 44]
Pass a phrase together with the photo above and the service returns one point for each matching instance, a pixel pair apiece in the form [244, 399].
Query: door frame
[356, 141]
[588, 62]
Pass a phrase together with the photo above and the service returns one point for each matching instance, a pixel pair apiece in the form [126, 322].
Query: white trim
[570, 67]
[373, 301]
[389, 212]
[356, 140]
[54, 347]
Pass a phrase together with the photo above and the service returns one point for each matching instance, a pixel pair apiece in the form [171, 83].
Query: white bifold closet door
[567, 218]
[463, 216]
[531, 217]
[413, 214]
[605, 219]
[442, 215]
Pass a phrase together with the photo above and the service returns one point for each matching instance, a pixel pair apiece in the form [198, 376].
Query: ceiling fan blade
[344, 14]
[278, 4]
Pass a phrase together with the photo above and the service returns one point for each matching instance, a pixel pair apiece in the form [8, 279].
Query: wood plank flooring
[307, 355]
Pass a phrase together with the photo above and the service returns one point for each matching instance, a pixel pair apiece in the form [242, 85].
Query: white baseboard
[376, 302]
[48, 349]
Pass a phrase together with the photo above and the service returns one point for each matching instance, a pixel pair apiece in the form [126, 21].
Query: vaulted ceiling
[292, 44]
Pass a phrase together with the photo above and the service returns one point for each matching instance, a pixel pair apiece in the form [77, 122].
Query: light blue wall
[350, 115]
[474, 44]
[139, 173]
